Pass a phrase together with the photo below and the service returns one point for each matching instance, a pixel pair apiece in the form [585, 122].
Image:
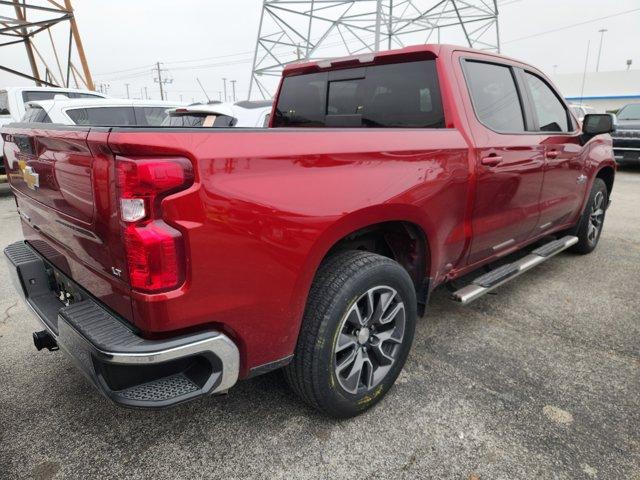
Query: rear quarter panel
[268, 205]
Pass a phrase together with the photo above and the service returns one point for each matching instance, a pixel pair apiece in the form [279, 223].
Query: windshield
[630, 112]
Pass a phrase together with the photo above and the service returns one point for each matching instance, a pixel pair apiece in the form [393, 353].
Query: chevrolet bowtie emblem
[31, 178]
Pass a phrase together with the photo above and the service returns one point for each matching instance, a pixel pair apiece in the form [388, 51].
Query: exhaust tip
[44, 339]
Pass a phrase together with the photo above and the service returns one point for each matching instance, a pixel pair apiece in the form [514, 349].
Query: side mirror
[599, 123]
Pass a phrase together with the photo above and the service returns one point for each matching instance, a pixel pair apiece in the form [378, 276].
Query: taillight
[154, 250]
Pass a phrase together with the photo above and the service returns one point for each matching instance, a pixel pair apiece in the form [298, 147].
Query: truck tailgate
[63, 180]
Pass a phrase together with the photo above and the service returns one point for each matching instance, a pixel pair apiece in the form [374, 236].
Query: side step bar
[489, 281]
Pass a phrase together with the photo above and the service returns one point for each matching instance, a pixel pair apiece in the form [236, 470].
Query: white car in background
[13, 100]
[108, 112]
[247, 114]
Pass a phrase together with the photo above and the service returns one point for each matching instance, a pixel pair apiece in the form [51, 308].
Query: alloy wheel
[596, 218]
[369, 339]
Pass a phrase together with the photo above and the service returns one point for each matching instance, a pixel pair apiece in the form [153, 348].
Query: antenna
[584, 74]
[203, 90]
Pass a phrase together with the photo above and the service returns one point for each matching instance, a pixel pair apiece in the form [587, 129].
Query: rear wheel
[589, 227]
[356, 333]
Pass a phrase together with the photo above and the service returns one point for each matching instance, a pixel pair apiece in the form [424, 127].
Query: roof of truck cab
[435, 50]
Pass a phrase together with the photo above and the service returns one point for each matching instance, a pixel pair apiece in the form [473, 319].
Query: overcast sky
[123, 35]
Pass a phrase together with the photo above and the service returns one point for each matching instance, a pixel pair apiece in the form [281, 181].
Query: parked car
[99, 112]
[13, 100]
[626, 139]
[580, 111]
[172, 263]
[247, 114]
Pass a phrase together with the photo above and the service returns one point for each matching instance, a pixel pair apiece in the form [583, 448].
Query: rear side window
[36, 115]
[197, 120]
[40, 95]
[386, 96]
[82, 95]
[150, 116]
[103, 116]
[4, 103]
[551, 112]
[495, 96]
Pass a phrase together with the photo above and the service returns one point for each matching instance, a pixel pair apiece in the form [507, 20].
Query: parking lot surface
[539, 380]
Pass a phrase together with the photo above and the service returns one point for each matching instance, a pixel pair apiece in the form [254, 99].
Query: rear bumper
[126, 368]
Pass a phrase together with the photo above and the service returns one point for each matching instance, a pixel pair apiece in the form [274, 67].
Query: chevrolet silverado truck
[171, 263]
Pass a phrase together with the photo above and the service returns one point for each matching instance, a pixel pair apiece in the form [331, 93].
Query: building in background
[604, 91]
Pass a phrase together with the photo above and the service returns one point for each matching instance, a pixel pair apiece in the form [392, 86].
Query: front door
[564, 178]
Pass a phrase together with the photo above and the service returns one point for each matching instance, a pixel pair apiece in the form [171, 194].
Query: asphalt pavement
[540, 380]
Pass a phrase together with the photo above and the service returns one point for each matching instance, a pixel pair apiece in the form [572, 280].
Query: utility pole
[127, 87]
[146, 94]
[161, 81]
[233, 86]
[224, 81]
[602, 32]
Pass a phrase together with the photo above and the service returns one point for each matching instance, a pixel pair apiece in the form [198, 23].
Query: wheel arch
[392, 223]
[607, 174]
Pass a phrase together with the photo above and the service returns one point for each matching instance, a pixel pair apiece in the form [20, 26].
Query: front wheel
[589, 227]
[356, 333]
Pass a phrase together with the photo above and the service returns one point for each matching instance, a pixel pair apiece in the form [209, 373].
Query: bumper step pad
[487, 282]
[161, 389]
[124, 366]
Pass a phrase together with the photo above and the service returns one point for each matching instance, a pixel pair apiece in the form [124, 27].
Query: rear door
[564, 180]
[509, 160]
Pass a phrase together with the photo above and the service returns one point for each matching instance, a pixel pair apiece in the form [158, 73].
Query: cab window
[551, 112]
[4, 103]
[495, 97]
[36, 114]
[396, 95]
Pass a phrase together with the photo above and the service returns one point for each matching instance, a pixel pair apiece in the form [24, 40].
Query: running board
[487, 282]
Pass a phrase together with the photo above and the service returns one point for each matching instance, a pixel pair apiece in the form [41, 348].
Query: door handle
[551, 154]
[491, 160]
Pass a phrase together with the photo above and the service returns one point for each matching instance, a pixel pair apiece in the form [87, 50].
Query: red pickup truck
[172, 262]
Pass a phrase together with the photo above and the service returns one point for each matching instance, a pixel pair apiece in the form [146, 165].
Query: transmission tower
[49, 33]
[294, 30]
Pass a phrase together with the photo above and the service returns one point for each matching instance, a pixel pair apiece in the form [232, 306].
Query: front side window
[551, 112]
[4, 103]
[495, 96]
[397, 95]
[36, 114]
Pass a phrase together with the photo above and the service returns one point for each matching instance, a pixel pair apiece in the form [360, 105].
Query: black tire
[345, 283]
[588, 237]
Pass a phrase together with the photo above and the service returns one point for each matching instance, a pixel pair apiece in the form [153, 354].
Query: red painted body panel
[267, 205]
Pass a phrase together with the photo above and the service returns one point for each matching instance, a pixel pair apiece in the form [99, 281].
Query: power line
[572, 26]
